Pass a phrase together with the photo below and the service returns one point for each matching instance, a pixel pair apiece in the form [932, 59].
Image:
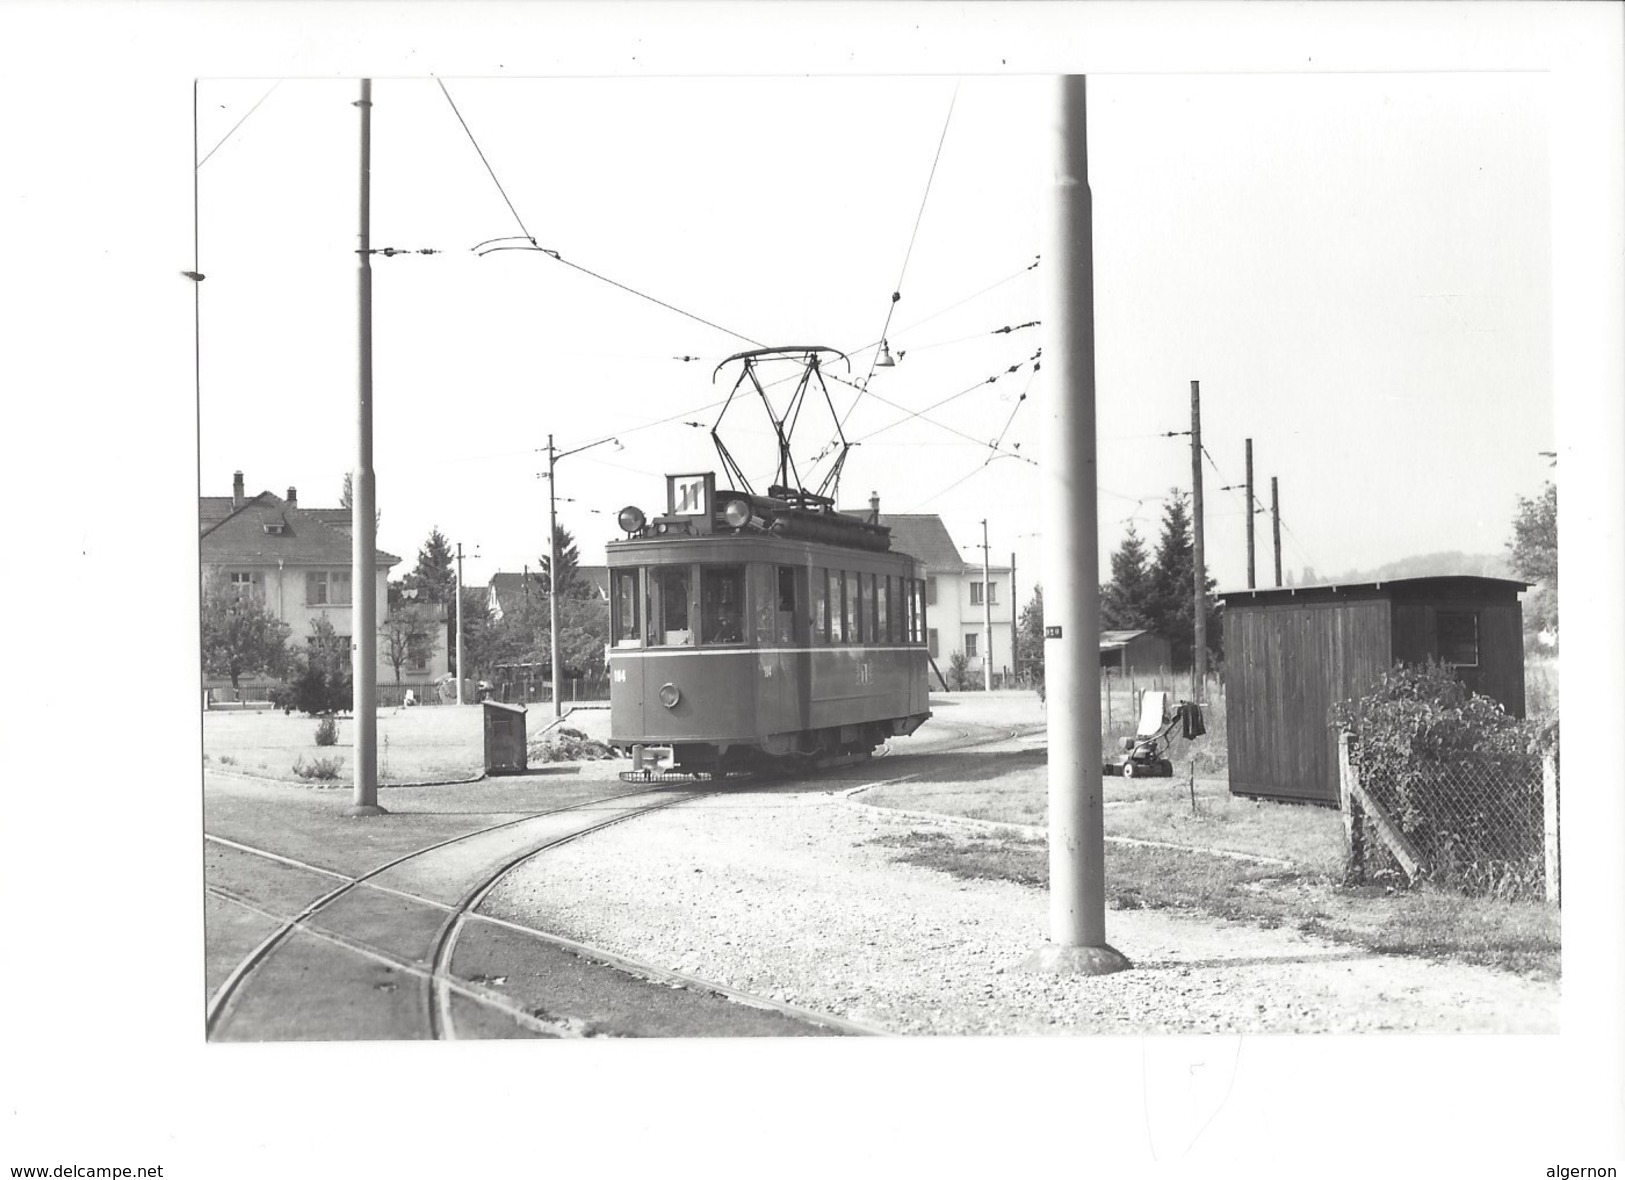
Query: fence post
[1553, 820]
[1350, 806]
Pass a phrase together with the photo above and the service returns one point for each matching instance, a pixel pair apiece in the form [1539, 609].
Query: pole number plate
[1052, 632]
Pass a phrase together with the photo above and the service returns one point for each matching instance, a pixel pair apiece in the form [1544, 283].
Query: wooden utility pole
[460, 670]
[1199, 567]
[1251, 583]
[987, 618]
[1071, 538]
[363, 523]
[1015, 633]
[1275, 517]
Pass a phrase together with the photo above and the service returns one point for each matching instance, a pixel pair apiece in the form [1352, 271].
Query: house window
[931, 642]
[1458, 638]
[992, 594]
[327, 588]
[970, 646]
[243, 585]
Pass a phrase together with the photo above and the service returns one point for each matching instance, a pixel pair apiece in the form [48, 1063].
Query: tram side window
[722, 604]
[920, 611]
[837, 607]
[668, 612]
[860, 605]
[849, 600]
[820, 605]
[883, 606]
[871, 620]
[624, 609]
[788, 618]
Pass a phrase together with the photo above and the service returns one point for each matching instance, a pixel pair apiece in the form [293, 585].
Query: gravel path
[784, 892]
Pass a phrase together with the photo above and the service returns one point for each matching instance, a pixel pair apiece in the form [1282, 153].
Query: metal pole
[1275, 517]
[363, 521]
[1250, 581]
[1198, 565]
[553, 578]
[460, 667]
[987, 618]
[1077, 903]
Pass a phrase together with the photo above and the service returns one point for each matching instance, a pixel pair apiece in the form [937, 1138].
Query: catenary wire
[234, 126]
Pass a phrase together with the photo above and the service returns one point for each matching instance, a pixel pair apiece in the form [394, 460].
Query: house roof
[265, 530]
[1115, 639]
[921, 535]
[505, 584]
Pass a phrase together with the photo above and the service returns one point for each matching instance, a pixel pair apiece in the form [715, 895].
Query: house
[297, 562]
[1131, 654]
[954, 611]
[1292, 653]
[504, 588]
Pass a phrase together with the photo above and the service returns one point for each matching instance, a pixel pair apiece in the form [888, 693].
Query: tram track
[431, 971]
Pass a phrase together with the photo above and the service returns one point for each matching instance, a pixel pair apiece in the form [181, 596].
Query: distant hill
[1431, 565]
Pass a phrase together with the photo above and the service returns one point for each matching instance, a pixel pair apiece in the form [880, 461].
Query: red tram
[750, 629]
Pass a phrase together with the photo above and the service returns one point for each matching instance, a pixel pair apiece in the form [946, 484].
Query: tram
[751, 630]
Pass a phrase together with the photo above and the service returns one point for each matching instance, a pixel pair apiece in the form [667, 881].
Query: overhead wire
[234, 126]
[481, 153]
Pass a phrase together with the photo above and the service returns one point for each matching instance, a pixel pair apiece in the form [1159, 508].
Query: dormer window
[277, 527]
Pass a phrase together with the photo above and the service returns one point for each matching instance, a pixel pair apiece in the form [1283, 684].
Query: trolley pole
[460, 668]
[553, 581]
[1077, 901]
[363, 522]
[1275, 519]
[1250, 514]
[1198, 566]
[987, 618]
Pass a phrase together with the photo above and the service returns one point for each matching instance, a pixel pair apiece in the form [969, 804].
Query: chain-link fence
[1478, 823]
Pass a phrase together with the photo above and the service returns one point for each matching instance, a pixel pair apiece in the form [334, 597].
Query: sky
[1386, 238]
[1354, 267]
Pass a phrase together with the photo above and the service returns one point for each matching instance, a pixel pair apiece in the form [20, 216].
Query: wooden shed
[1134, 653]
[1292, 652]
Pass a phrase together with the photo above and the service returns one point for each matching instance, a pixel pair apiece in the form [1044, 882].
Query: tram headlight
[736, 513]
[631, 519]
[669, 696]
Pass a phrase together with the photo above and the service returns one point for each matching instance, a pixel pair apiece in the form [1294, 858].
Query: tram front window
[624, 609]
[668, 612]
[722, 604]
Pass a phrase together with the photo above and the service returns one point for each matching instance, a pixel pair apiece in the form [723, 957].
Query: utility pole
[460, 667]
[1071, 538]
[1250, 581]
[1199, 568]
[553, 579]
[363, 524]
[987, 618]
[1015, 634]
[1275, 516]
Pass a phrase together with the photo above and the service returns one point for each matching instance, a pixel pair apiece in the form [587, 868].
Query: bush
[1460, 776]
[325, 769]
[327, 732]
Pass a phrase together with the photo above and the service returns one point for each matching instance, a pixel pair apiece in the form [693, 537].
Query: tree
[1172, 609]
[1125, 601]
[479, 632]
[347, 499]
[407, 635]
[240, 636]
[1534, 557]
[1030, 635]
[569, 563]
[433, 577]
[523, 634]
[322, 681]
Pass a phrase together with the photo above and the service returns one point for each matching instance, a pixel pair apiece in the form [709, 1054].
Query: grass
[1307, 896]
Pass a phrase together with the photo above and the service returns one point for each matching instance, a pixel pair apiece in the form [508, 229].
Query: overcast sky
[1354, 266]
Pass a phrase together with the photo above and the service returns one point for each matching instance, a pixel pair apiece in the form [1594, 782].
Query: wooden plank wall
[1499, 674]
[1286, 663]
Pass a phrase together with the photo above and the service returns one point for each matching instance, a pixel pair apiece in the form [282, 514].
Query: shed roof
[1452, 585]
[1115, 639]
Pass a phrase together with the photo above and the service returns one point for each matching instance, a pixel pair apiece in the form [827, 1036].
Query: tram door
[626, 675]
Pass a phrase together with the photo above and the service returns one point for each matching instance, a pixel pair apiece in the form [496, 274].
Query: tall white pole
[1198, 559]
[363, 520]
[987, 618]
[553, 580]
[460, 667]
[1077, 910]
